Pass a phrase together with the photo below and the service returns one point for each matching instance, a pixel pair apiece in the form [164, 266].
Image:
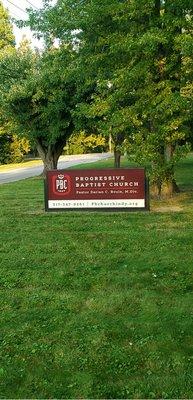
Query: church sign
[94, 189]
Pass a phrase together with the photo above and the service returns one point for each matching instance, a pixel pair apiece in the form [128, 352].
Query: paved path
[18, 174]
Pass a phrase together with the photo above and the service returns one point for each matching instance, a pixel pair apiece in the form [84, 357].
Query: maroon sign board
[92, 189]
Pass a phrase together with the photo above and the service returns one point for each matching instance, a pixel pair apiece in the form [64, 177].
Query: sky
[17, 9]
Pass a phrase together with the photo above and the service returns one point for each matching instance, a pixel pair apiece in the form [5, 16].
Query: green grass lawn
[26, 163]
[96, 305]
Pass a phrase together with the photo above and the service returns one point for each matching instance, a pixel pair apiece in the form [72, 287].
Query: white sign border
[98, 203]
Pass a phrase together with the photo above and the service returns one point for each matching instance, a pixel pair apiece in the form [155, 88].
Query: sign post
[97, 190]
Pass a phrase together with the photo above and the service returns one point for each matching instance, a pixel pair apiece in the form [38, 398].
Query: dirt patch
[169, 208]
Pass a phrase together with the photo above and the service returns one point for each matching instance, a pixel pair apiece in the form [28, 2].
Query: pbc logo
[61, 184]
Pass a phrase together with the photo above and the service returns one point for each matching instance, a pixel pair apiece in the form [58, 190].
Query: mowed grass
[96, 305]
[27, 163]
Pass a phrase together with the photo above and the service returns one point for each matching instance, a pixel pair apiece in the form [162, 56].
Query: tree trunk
[117, 141]
[157, 8]
[168, 152]
[49, 155]
[110, 143]
[165, 185]
[117, 158]
[170, 186]
[50, 162]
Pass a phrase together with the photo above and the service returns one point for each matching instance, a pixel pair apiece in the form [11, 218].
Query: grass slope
[96, 305]
[27, 163]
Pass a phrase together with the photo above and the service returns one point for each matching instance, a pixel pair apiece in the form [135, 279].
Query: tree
[185, 44]
[131, 69]
[140, 95]
[88, 29]
[12, 148]
[7, 39]
[162, 108]
[7, 43]
[40, 97]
